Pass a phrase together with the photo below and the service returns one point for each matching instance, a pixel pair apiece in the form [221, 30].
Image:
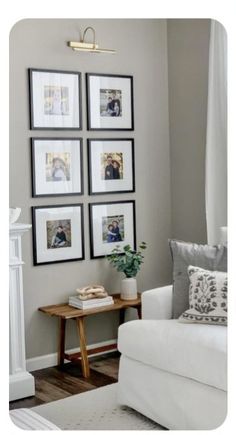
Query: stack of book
[74, 301]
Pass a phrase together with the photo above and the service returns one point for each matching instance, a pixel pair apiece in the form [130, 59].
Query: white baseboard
[21, 385]
[50, 360]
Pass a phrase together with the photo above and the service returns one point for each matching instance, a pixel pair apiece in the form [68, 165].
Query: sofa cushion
[185, 254]
[192, 350]
[207, 297]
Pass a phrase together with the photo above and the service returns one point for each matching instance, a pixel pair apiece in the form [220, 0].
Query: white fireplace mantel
[21, 382]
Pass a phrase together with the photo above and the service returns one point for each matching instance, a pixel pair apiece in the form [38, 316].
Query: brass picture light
[88, 46]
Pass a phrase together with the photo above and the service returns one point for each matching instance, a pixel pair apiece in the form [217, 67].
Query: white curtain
[216, 146]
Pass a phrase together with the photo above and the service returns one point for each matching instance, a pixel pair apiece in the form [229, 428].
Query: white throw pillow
[207, 297]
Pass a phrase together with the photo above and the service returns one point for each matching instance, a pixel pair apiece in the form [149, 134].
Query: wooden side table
[65, 312]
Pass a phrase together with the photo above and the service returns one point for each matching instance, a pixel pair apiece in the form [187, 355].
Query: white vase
[14, 214]
[128, 289]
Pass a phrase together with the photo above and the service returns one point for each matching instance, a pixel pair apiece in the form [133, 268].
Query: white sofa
[174, 373]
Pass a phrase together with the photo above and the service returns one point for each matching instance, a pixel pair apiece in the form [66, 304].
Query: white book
[90, 301]
[87, 307]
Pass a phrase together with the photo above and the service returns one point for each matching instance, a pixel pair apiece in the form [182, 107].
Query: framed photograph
[55, 100]
[111, 166]
[57, 166]
[111, 224]
[109, 102]
[58, 233]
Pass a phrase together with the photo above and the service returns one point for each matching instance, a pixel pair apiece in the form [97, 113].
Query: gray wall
[141, 51]
[188, 47]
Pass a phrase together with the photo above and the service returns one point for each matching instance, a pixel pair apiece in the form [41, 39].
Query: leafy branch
[130, 262]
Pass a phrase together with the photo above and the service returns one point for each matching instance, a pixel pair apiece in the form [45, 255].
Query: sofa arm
[157, 303]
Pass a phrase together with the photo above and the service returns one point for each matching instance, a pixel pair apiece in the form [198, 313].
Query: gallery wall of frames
[57, 164]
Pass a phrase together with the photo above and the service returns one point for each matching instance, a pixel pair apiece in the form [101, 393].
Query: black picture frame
[91, 230]
[31, 99]
[88, 98]
[34, 235]
[33, 142]
[90, 174]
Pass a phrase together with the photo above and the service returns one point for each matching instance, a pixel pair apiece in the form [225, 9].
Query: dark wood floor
[56, 383]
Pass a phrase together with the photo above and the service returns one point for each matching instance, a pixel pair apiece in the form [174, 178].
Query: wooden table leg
[83, 349]
[122, 315]
[139, 309]
[61, 343]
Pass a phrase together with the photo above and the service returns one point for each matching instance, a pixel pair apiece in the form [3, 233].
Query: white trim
[18, 228]
[21, 385]
[21, 382]
[50, 360]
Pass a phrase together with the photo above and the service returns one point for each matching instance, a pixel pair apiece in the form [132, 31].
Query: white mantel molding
[18, 228]
[21, 382]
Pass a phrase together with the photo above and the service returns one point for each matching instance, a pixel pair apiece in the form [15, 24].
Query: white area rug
[94, 410]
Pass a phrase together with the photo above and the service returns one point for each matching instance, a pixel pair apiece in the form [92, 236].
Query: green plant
[130, 262]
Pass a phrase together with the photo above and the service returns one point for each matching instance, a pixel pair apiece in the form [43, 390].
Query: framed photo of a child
[111, 166]
[109, 102]
[55, 100]
[57, 166]
[111, 224]
[58, 233]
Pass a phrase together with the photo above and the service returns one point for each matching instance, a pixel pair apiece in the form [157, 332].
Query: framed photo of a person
[111, 166]
[58, 233]
[55, 100]
[111, 224]
[57, 166]
[109, 102]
